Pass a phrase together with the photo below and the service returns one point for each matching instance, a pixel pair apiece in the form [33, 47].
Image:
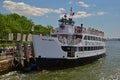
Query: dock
[6, 65]
[22, 59]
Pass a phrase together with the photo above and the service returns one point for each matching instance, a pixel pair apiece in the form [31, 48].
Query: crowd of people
[8, 50]
[11, 51]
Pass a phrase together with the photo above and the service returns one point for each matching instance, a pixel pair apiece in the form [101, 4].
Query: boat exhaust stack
[81, 25]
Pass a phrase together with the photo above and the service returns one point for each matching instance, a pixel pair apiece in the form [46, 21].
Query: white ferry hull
[50, 55]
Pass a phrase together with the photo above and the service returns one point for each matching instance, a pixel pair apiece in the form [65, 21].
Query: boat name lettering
[48, 39]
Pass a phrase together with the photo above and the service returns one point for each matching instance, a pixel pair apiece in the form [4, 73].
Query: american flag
[71, 12]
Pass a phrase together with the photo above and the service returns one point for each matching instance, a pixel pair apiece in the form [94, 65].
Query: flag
[72, 13]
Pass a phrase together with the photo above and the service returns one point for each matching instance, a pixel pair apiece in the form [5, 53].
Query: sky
[103, 15]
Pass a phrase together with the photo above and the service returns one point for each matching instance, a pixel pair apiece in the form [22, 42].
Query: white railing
[79, 30]
[89, 31]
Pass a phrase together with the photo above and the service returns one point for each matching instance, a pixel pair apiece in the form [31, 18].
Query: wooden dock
[6, 65]
[23, 59]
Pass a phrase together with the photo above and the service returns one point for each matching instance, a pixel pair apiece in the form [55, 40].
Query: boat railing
[64, 40]
[80, 30]
[89, 31]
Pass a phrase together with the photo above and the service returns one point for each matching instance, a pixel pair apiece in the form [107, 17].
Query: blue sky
[100, 14]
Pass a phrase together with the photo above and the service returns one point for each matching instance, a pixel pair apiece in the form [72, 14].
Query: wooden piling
[25, 60]
[26, 52]
[19, 53]
[33, 52]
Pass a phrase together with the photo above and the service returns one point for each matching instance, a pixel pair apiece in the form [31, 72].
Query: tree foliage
[14, 23]
[39, 29]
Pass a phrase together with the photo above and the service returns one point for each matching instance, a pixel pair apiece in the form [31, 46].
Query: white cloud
[83, 4]
[84, 14]
[7, 0]
[101, 13]
[81, 14]
[25, 9]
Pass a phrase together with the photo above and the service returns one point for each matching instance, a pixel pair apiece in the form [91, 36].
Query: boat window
[92, 38]
[54, 35]
[98, 39]
[90, 48]
[85, 38]
[88, 37]
[94, 48]
[69, 48]
[85, 48]
[80, 48]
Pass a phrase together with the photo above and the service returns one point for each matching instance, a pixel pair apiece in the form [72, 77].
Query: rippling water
[107, 68]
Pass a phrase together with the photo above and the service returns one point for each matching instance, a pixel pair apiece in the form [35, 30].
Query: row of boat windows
[88, 38]
[93, 38]
[90, 48]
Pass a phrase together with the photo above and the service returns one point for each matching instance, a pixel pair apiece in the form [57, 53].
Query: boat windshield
[70, 39]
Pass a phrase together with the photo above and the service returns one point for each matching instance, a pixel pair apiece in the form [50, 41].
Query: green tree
[14, 23]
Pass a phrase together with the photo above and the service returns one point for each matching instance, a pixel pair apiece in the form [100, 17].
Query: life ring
[62, 26]
[79, 30]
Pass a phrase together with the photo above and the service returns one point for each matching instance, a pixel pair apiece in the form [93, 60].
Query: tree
[14, 23]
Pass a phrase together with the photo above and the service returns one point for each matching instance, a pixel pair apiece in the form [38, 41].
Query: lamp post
[32, 29]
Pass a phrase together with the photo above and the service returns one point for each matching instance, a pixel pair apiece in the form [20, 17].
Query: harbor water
[107, 68]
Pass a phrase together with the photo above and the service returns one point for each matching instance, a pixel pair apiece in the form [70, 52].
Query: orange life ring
[62, 26]
[79, 30]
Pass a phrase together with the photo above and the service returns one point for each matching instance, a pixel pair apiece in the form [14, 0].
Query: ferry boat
[69, 45]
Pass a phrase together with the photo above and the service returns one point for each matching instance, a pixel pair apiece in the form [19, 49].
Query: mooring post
[32, 51]
[19, 53]
[26, 52]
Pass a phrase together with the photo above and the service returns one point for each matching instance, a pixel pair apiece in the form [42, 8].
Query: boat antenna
[71, 12]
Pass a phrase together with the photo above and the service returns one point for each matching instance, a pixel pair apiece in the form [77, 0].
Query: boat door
[71, 52]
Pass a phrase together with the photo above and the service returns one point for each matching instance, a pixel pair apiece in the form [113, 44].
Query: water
[107, 68]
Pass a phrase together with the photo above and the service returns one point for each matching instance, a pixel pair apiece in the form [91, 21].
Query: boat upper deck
[76, 30]
[66, 26]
